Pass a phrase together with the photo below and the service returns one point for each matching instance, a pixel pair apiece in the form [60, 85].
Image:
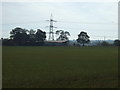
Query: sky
[98, 19]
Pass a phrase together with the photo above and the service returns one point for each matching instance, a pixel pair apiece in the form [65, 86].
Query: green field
[60, 67]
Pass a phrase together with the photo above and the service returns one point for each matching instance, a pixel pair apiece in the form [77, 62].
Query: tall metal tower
[51, 27]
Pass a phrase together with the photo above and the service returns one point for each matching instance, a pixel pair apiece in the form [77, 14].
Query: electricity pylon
[51, 27]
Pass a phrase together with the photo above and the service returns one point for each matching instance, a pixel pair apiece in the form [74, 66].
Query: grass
[60, 67]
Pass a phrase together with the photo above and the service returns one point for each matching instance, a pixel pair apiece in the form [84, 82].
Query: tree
[19, 35]
[63, 35]
[117, 42]
[83, 38]
[40, 35]
[104, 43]
[98, 43]
[32, 35]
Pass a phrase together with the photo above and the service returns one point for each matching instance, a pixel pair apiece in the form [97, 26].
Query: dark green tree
[105, 43]
[32, 35]
[19, 35]
[63, 35]
[83, 38]
[40, 35]
[117, 42]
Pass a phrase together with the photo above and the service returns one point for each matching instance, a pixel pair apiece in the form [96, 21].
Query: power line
[80, 28]
[100, 23]
[29, 22]
[103, 23]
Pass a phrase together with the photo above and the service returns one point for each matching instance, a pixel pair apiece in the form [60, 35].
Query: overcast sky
[98, 19]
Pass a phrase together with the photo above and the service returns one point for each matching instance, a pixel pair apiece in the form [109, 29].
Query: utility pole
[51, 27]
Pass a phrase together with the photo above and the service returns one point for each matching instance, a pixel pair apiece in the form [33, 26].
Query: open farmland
[60, 67]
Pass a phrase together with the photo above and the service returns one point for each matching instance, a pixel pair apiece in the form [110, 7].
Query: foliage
[63, 35]
[83, 38]
[117, 42]
[32, 35]
[104, 43]
[20, 36]
[40, 35]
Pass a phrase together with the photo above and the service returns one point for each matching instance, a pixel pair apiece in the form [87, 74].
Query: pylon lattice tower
[51, 27]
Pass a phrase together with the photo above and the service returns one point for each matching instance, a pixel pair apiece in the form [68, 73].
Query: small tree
[83, 38]
[63, 35]
[32, 35]
[40, 35]
[104, 43]
[117, 42]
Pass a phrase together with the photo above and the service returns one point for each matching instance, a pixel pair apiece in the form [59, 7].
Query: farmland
[59, 67]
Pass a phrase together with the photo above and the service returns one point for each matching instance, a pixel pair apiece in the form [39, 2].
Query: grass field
[60, 67]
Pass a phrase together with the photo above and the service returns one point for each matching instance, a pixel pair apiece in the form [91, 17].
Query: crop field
[59, 67]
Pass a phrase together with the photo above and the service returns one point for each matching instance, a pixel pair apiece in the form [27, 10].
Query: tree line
[25, 37]
[20, 36]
